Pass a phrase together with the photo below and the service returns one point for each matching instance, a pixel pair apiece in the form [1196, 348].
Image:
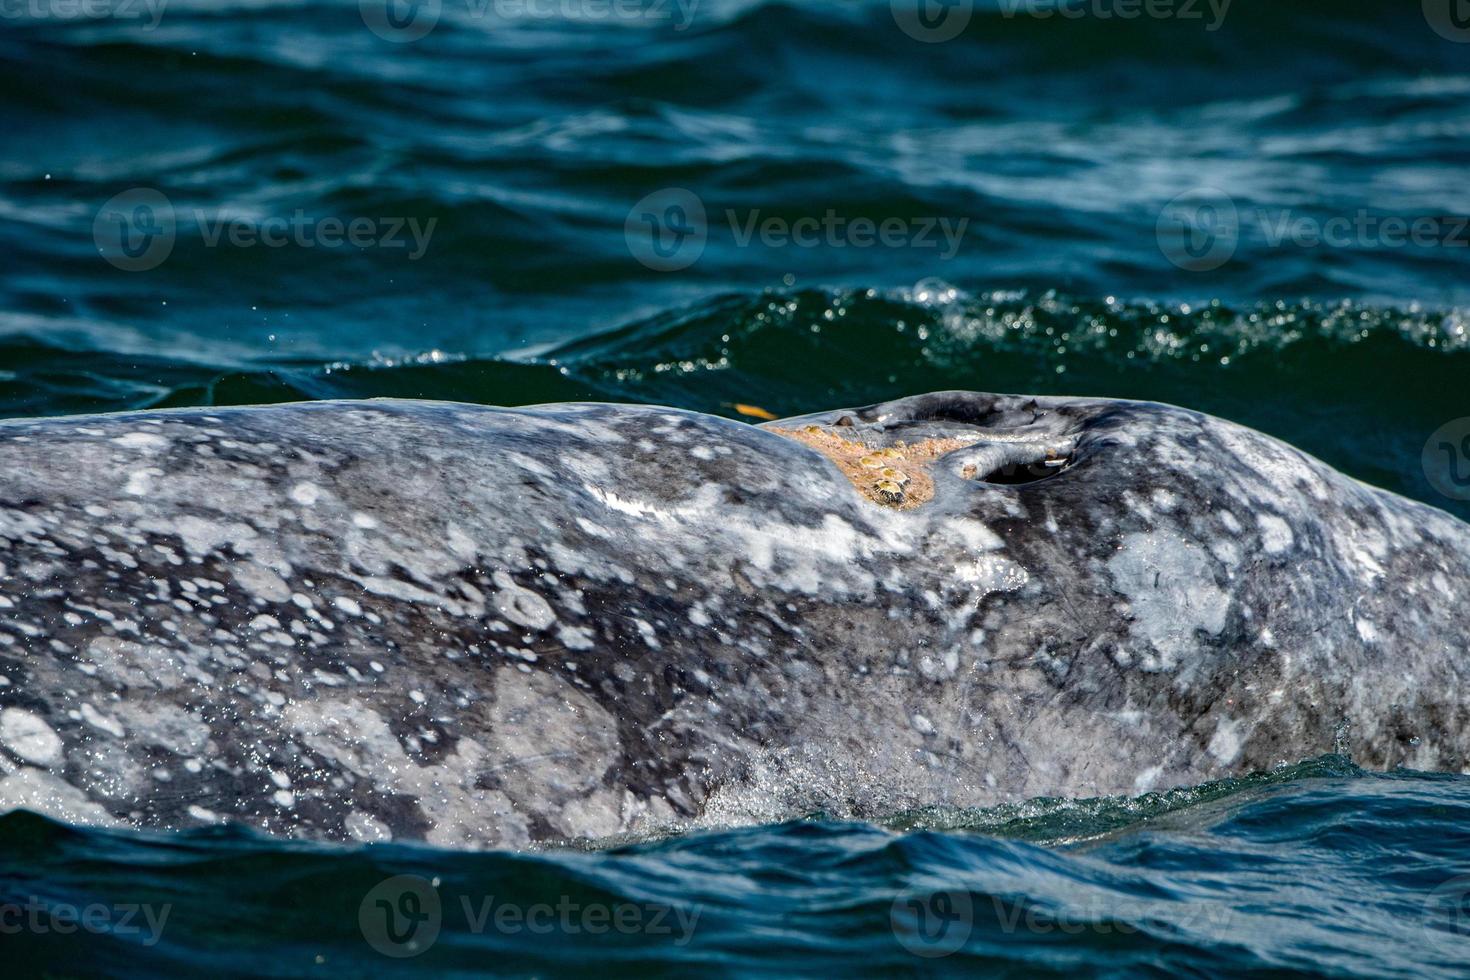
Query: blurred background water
[1252, 208]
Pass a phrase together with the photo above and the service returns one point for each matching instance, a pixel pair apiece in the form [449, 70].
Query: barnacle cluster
[895, 476]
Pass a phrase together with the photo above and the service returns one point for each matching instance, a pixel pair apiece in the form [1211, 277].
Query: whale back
[494, 627]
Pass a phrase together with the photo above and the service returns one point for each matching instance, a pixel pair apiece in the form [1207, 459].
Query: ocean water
[1256, 209]
[1315, 869]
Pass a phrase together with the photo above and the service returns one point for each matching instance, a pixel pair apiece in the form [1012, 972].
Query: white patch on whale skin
[102, 722]
[646, 631]
[29, 738]
[260, 581]
[1171, 591]
[991, 573]
[553, 744]
[167, 726]
[358, 739]
[140, 482]
[643, 509]
[1276, 536]
[942, 667]
[974, 535]
[521, 606]
[576, 637]
[1225, 744]
[460, 544]
[1443, 585]
[1225, 550]
[393, 588]
[366, 828]
[141, 440]
[16, 524]
[792, 557]
[306, 494]
[1360, 549]
[1147, 780]
[1285, 469]
[41, 792]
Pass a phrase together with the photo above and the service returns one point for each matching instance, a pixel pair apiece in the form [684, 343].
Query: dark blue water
[1256, 209]
[1318, 869]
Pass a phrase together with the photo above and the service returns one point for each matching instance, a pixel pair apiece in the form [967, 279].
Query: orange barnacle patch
[870, 468]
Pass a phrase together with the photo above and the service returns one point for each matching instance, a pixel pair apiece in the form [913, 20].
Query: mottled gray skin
[482, 627]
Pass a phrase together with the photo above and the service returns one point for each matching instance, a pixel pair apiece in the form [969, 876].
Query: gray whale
[489, 627]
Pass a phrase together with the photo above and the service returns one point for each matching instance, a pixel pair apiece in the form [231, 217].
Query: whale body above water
[497, 627]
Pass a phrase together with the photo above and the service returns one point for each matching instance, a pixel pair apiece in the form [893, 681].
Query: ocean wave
[1279, 367]
[1223, 878]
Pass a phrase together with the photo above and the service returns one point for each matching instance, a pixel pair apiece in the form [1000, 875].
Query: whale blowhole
[1044, 467]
